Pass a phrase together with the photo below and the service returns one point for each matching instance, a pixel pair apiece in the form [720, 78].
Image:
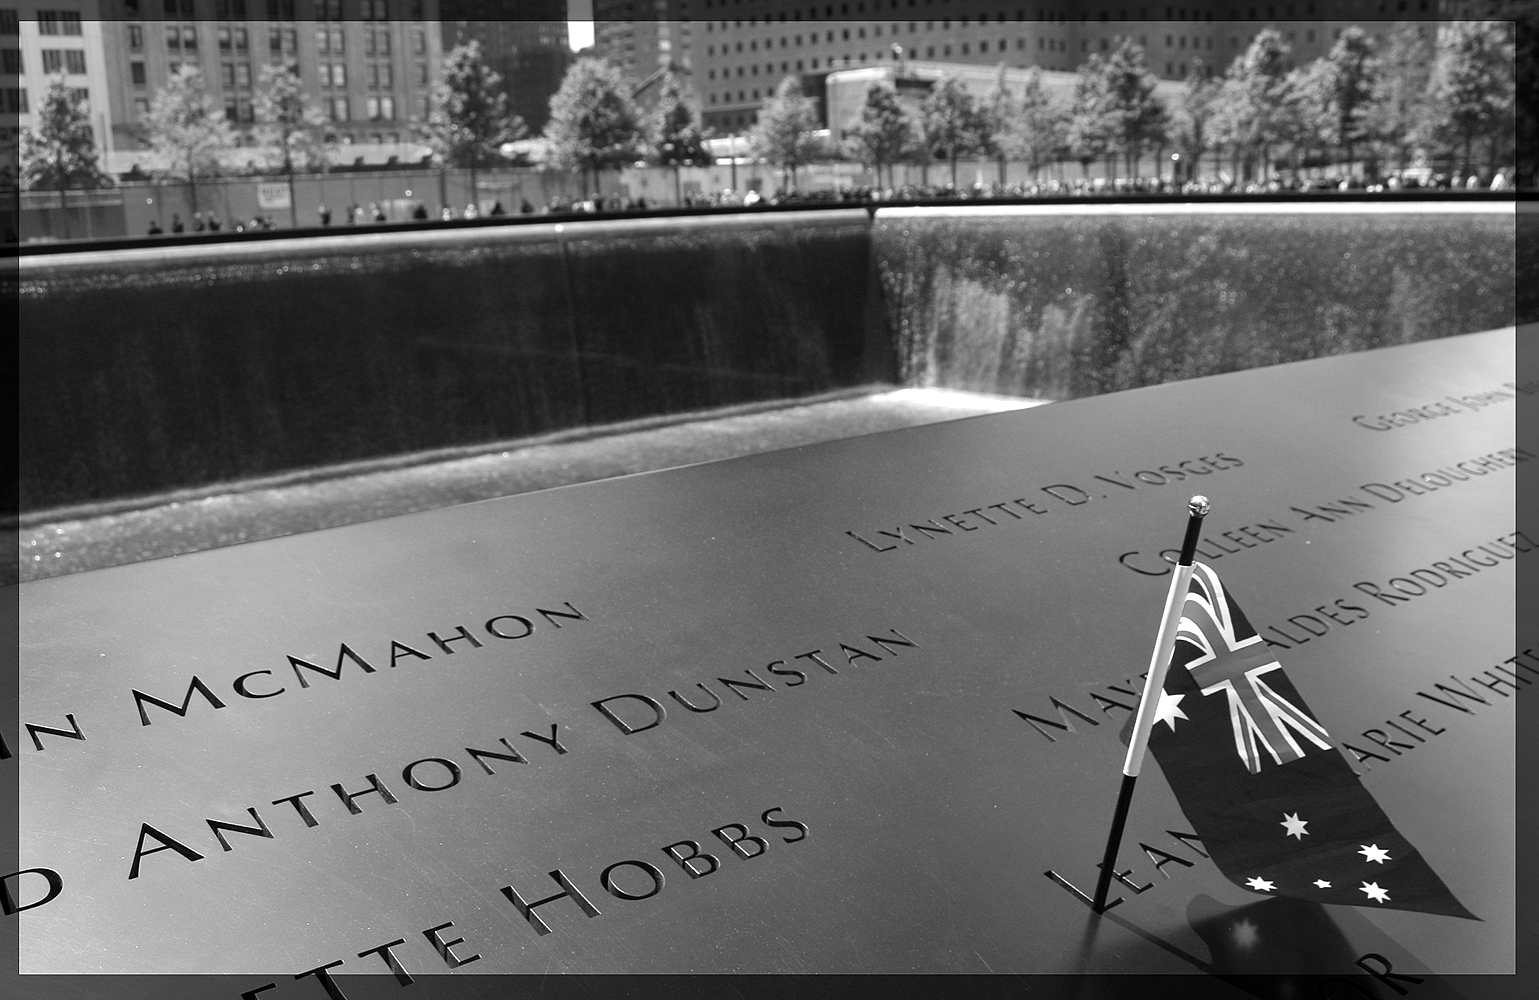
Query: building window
[243, 74]
[387, 109]
[231, 111]
[15, 100]
[227, 75]
[136, 37]
[10, 62]
[374, 10]
[328, 10]
[280, 10]
[338, 75]
[47, 22]
[80, 95]
[423, 107]
[189, 38]
[53, 61]
[9, 23]
[384, 41]
[337, 42]
[322, 41]
[74, 61]
[222, 34]
[422, 74]
[341, 109]
[371, 108]
[274, 41]
[419, 41]
[241, 40]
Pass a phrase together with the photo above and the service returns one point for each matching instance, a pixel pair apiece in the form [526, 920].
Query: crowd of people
[376, 213]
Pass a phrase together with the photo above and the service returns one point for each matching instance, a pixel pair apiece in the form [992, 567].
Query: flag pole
[1154, 686]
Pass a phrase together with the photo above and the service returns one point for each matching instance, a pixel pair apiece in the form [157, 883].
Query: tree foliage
[783, 134]
[1191, 119]
[185, 130]
[676, 137]
[1091, 133]
[1398, 116]
[594, 125]
[1472, 84]
[883, 132]
[59, 153]
[1345, 90]
[1135, 117]
[951, 122]
[1256, 100]
[288, 123]
[469, 121]
[1037, 132]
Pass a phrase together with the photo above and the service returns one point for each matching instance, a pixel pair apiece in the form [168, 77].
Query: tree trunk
[952, 155]
[475, 190]
[293, 204]
[192, 188]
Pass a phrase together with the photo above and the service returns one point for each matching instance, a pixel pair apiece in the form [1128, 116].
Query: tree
[1039, 128]
[186, 131]
[594, 125]
[676, 137]
[783, 133]
[1091, 131]
[1253, 101]
[1306, 124]
[1472, 85]
[883, 132]
[290, 125]
[469, 122]
[1192, 117]
[1135, 116]
[994, 118]
[60, 153]
[1347, 75]
[951, 121]
[1397, 115]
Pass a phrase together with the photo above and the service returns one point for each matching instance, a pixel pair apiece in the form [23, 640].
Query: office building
[42, 41]
[369, 65]
[525, 41]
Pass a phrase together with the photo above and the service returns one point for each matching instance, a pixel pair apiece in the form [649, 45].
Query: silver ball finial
[1199, 506]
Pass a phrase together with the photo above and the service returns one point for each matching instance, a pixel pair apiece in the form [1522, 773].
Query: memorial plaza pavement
[85, 538]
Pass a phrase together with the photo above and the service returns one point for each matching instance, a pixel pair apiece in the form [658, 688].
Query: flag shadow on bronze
[1260, 780]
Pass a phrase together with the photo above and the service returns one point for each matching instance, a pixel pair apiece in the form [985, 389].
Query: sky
[579, 23]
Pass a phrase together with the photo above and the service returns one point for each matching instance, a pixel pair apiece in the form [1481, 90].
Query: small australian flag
[1260, 780]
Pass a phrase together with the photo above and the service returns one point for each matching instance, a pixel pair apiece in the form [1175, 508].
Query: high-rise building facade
[368, 65]
[741, 49]
[646, 38]
[525, 41]
[42, 42]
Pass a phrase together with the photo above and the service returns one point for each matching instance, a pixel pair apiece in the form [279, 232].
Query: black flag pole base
[1113, 841]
